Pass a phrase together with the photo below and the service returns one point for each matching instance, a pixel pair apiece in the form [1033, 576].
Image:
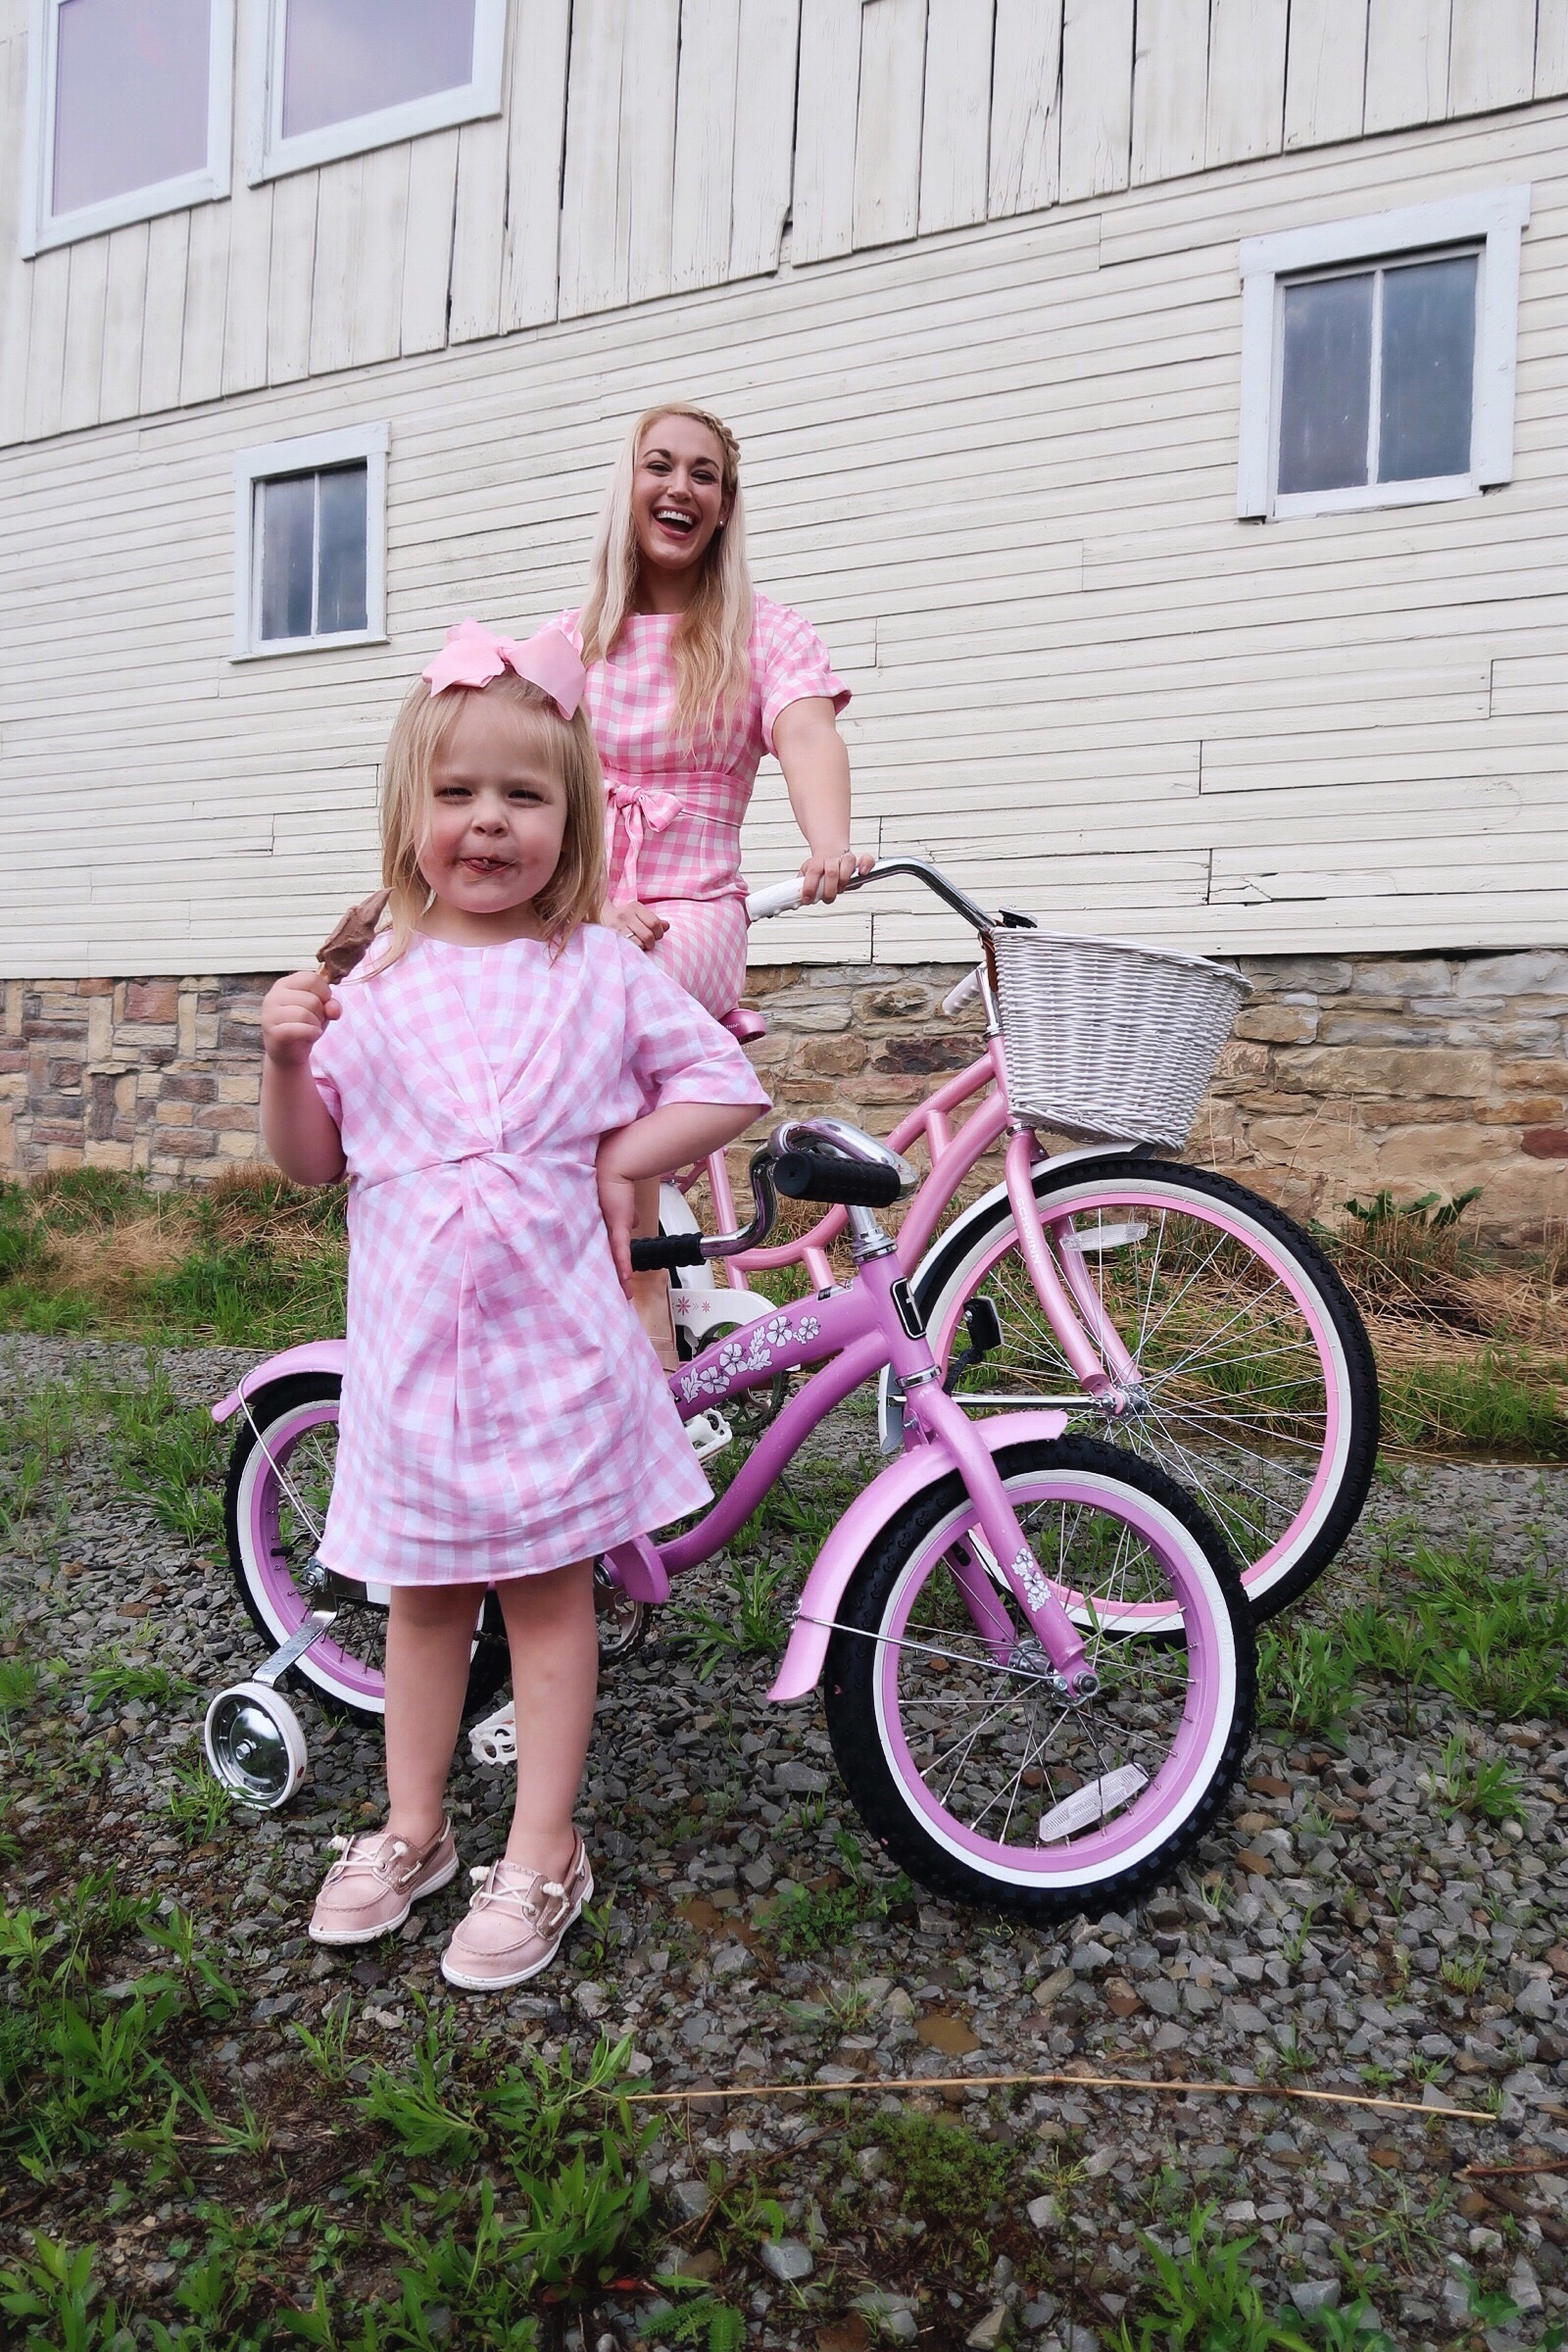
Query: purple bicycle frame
[1065, 1292]
[852, 1333]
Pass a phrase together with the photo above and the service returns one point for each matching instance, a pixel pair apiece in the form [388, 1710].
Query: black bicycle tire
[491, 1663]
[874, 1788]
[938, 1269]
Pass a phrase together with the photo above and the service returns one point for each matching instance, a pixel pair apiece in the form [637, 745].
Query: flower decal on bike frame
[752, 1351]
[1027, 1570]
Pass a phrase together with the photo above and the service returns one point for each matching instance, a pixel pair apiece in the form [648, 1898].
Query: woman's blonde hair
[711, 646]
[421, 732]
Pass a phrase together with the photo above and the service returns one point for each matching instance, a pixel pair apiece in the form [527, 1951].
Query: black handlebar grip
[668, 1254]
[822, 1176]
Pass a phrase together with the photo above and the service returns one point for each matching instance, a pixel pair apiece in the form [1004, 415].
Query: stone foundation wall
[1343, 1074]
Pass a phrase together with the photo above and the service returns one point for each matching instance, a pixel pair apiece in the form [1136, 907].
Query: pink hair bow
[472, 656]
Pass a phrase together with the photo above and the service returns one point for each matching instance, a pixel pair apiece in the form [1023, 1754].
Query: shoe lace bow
[354, 1854]
[539, 1900]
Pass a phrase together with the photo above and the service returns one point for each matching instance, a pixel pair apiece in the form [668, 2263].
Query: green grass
[757, 1627]
[246, 1261]
[947, 2174]
[1436, 1623]
[172, 1455]
[1486, 1406]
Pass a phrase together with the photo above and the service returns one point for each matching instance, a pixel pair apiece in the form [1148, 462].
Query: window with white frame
[1377, 357]
[310, 541]
[335, 77]
[127, 112]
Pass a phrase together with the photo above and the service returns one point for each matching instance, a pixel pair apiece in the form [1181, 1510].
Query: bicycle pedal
[710, 1433]
[494, 1740]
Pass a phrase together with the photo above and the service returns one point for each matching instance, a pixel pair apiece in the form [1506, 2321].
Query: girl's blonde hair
[710, 645]
[421, 732]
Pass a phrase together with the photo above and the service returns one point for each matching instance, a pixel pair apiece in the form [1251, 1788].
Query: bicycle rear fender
[314, 1356]
[867, 1515]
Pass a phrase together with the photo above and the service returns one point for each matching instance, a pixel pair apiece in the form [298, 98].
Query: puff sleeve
[794, 664]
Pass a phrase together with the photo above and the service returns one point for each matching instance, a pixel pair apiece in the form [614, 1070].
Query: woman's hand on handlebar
[824, 874]
[640, 924]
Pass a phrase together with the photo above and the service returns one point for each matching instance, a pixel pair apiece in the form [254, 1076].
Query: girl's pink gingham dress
[675, 808]
[502, 1411]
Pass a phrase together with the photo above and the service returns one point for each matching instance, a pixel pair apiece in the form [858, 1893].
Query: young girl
[496, 1079]
[692, 676]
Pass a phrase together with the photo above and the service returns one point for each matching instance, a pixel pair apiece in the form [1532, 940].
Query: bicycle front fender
[868, 1514]
[313, 1356]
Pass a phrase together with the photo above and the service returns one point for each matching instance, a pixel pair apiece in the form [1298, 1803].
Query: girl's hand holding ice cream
[295, 1012]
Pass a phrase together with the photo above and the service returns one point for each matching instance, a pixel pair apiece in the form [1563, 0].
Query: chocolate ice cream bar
[338, 956]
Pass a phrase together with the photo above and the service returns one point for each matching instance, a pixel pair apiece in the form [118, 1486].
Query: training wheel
[254, 1746]
[622, 1620]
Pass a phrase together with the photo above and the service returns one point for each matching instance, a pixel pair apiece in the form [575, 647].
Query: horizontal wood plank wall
[647, 146]
[996, 466]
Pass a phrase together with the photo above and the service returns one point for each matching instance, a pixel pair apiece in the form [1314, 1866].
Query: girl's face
[677, 494]
[498, 819]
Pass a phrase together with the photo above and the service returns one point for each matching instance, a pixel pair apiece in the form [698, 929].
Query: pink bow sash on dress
[635, 812]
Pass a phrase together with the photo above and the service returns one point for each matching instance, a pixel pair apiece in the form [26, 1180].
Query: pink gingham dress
[675, 808]
[503, 1412]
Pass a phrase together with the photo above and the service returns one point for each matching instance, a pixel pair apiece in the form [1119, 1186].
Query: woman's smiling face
[677, 494]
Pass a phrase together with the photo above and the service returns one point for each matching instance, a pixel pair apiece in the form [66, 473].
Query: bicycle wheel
[275, 1506]
[961, 1758]
[1256, 1385]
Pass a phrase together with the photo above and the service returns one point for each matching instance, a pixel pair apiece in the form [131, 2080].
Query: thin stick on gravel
[1226, 2090]
[1508, 2172]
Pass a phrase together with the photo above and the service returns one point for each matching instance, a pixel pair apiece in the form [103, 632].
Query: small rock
[690, 2199]
[1315, 2294]
[802, 1780]
[1536, 1999]
[898, 2003]
[892, 2313]
[986, 2335]
[1525, 2289]
[1245, 2017]
[1044, 2214]
[786, 2259]
[1051, 1988]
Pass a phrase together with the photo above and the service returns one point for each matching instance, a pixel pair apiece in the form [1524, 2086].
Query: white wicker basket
[1107, 1039]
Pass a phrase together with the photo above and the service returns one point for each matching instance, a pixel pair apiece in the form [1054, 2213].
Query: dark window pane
[340, 597]
[131, 96]
[343, 58]
[288, 534]
[1429, 352]
[1327, 392]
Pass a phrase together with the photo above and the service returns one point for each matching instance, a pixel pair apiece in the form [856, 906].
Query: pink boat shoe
[375, 1882]
[514, 1924]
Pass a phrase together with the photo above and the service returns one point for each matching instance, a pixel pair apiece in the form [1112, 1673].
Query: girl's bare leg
[650, 1292]
[429, 1633]
[554, 1676]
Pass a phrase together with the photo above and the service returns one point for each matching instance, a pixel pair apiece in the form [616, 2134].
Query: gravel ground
[1306, 1942]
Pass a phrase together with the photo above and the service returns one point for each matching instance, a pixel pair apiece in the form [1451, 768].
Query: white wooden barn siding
[997, 466]
[655, 146]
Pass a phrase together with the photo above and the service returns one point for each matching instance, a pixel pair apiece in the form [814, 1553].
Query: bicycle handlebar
[783, 898]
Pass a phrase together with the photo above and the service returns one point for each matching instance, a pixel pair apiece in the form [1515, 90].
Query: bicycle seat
[744, 1024]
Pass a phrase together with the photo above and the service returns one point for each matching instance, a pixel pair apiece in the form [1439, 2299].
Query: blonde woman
[692, 676]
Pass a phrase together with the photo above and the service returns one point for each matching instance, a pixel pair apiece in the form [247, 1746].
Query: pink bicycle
[1037, 1667]
[1163, 1308]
